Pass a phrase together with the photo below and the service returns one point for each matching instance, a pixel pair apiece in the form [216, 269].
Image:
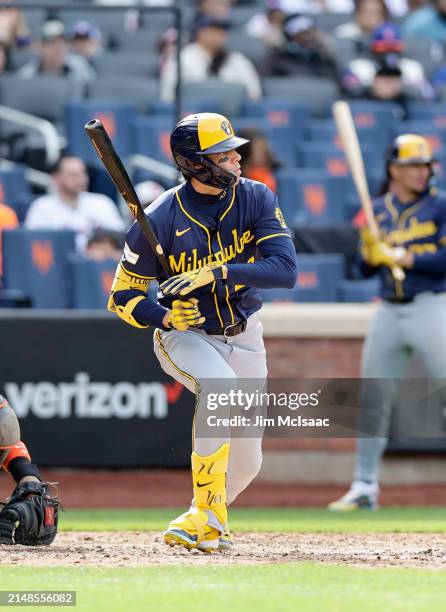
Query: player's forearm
[276, 271]
[430, 262]
[146, 312]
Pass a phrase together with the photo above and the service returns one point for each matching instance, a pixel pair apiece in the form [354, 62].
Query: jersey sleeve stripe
[272, 236]
[137, 275]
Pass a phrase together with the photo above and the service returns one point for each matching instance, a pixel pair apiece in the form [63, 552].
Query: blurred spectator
[215, 9]
[208, 57]
[148, 191]
[427, 22]
[13, 29]
[86, 41]
[8, 220]
[268, 25]
[258, 162]
[71, 206]
[54, 58]
[386, 47]
[308, 51]
[167, 46]
[5, 63]
[105, 244]
[368, 15]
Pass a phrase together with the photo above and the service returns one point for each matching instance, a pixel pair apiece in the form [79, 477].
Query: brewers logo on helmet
[410, 149]
[197, 136]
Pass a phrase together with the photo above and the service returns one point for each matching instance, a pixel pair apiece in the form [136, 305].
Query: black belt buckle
[234, 329]
[403, 300]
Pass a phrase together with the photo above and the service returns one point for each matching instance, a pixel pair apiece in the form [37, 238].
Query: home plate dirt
[111, 549]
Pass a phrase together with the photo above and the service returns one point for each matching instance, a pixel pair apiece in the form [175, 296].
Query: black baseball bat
[114, 166]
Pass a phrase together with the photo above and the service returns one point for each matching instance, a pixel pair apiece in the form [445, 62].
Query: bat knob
[93, 124]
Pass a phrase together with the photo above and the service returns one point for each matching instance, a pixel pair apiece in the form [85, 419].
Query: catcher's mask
[197, 136]
[410, 149]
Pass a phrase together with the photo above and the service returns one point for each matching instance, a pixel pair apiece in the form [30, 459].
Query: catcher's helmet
[410, 149]
[197, 136]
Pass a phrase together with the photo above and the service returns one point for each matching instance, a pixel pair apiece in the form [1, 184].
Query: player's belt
[230, 330]
[400, 300]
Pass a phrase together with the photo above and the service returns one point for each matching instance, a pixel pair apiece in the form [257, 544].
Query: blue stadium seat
[92, 281]
[281, 142]
[324, 130]
[319, 277]
[280, 113]
[115, 116]
[36, 263]
[332, 159]
[358, 290]
[311, 197]
[434, 114]
[15, 190]
[151, 136]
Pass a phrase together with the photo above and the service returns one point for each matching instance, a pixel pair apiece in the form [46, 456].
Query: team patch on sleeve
[129, 255]
[280, 218]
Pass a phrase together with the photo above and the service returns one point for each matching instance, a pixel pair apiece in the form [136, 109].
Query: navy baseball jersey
[243, 225]
[420, 227]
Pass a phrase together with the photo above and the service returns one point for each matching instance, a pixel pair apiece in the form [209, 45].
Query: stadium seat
[144, 41]
[329, 21]
[358, 290]
[116, 118]
[92, 281]
[434, 114]
[109, 22]
[332, 159]
[135, 90]
[36, 263]
[280, 113]
[319, 92]
[15, 190]
[282, 145]
[127, 64]
[44, 96]
[311, 197]
[151, 136]
[318, 280]
[253, 48]
[230, 95]
[324, 130]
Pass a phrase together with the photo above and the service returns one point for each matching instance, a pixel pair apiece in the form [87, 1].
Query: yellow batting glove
[376, 252]
[185, 314]
[189, 281]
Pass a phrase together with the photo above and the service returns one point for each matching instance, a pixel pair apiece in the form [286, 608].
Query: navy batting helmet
[197, 136]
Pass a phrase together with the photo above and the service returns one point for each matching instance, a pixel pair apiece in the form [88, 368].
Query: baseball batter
[224, 236]
[30, 515]
[412, 314]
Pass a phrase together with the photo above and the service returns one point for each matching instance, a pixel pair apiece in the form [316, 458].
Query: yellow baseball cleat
[191, 530]
[361, 496]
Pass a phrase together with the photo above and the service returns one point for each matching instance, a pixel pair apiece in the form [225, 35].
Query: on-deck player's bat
[114, 166]
[350, 144]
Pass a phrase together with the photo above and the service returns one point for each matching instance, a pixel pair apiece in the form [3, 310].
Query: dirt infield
[167, 489]
[105, 549]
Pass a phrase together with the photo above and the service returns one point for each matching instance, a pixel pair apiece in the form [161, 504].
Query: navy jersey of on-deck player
[420, 227]
[249, 220]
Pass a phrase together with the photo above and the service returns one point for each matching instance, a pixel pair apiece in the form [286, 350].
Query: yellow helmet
[410, 149]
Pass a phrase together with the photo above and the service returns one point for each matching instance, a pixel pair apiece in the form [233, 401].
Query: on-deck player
[412, 314]
[224, 236]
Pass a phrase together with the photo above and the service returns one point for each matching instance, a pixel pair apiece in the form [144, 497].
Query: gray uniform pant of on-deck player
[208, 359]
[397, 331]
